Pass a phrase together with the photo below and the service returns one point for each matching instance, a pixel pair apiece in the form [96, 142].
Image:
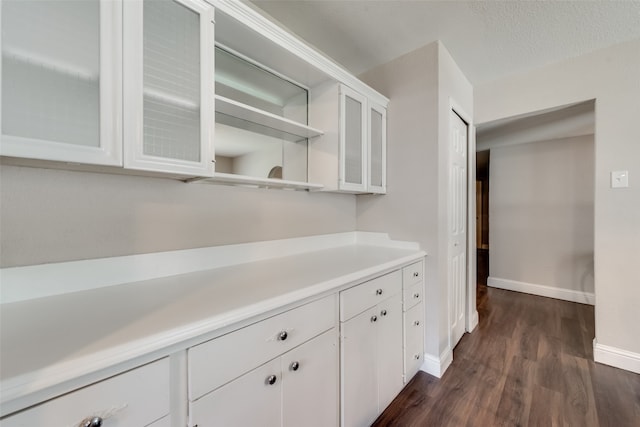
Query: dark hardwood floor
[528, 363]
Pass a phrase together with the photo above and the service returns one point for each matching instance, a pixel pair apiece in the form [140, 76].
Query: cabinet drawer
[359, 298]
[413, 341]
[412, 296]
[412, 273]
[135, 398]
[220, 360]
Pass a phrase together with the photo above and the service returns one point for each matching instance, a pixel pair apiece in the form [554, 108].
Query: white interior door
[457, 227]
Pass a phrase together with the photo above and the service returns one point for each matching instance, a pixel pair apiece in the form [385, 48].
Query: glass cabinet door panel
[171, 81]
[51, 71]
[377, 148]
[353, 137]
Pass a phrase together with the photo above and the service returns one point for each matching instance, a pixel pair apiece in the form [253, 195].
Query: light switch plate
[619, 179]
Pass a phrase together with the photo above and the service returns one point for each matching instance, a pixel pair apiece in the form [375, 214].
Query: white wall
[611, 76]
[55, 215]
[419, 85]
[541, 215]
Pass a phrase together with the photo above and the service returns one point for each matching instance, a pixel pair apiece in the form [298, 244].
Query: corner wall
[420, 85]
[611, 76]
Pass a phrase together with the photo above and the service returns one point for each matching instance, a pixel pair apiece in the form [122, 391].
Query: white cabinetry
[66, 65]
[351, 155]
[139, 397]
[371, 348]
[413, 316]
[285, 368]
[62, 81]
[168, 86]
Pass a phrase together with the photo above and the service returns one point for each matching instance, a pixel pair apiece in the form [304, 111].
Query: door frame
[471, 315]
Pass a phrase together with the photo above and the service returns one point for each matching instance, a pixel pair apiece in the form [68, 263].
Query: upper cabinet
[144, 84]
[351, 156]
[75, 90]
[62, 81]
[168, 86]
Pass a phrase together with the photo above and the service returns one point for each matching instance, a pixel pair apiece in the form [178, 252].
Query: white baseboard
[437, 366]
[616, 357]
[542, 290]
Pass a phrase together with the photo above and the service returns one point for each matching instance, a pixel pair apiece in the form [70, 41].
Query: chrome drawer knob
[416, 295]
[91, 422]
[374, 318]
[417, 323]
[378, 291]
[416, 274]
[282, 336]
[294, 366]
[271, 380]
[383, 313]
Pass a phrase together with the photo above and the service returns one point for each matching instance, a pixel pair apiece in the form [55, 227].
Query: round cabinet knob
[416, 274]
[383, 313]
[92, 422]
[374, 318]
[416, 295]
[417, 323]
[378, 291]
[271, 379]
[294, 366]
[282, 336]
[417, 357]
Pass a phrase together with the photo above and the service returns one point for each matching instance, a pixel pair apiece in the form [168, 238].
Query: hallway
[528, 363]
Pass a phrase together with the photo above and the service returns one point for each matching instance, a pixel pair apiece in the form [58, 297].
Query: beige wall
[417, 128]
[55, 215]
[611, 77]
[541, 213]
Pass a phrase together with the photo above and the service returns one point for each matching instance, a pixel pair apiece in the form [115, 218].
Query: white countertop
[47, 341]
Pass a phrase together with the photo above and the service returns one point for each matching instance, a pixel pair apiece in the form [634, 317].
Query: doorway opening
[482, 223]
[537, 213]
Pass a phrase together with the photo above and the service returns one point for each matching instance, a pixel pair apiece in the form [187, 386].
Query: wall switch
[619, 179]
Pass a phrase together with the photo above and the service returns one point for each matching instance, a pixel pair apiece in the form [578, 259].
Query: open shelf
[244, 116]
[227, 178]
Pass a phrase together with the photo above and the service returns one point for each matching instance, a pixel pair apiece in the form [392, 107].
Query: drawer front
[412, 296]
[216, 362]
[412, 274]
[355, 300]
[413, 341]
[135, 398]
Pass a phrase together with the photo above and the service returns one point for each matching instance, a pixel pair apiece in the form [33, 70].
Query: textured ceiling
[488, 39]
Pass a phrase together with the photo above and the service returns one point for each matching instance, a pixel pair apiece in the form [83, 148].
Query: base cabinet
[371, 350]
[140, 397]
[299, 388]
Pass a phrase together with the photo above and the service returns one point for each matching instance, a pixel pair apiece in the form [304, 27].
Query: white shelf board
[228, 178]
[267, 123]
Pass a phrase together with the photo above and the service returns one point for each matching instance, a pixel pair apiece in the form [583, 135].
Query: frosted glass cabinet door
[353, 136]
[168, 86]
[61, 80]
[377, 149]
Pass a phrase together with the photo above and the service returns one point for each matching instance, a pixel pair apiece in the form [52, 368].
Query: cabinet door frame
[109, 151]
[382, 189]
[134, 157]
[345, 92]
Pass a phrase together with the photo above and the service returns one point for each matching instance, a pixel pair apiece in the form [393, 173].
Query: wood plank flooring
[528, 363]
